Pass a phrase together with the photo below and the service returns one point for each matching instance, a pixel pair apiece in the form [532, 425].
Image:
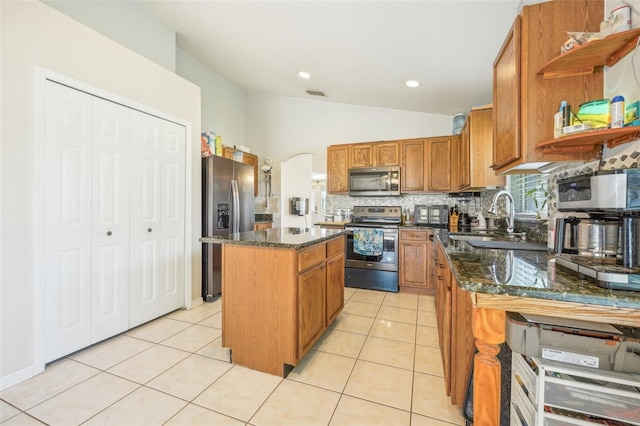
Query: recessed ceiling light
[412, 83]
[304, 74]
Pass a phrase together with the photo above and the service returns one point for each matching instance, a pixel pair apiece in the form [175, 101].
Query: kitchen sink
[507, 245]
[470, 237]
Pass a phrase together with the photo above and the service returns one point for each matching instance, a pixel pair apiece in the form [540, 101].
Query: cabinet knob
[109, 233]
[149, 230]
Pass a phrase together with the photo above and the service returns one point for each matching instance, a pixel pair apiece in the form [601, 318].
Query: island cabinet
[277, 301]
[374, 154]
[523, 101]
[415, 259]
[426, 164]
[247, 158]
[338, 169]
[476, 153]
[453, 313]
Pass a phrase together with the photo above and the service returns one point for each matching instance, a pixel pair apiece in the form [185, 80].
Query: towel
[368, 241]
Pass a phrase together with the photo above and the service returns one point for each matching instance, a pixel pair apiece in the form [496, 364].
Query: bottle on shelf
[617, 112]
[558, 120]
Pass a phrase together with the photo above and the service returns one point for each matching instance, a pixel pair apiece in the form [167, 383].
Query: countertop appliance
[433, 216]
[227, 208]
[604, 246]
[377, 270]
[600, 191]
[374, 181]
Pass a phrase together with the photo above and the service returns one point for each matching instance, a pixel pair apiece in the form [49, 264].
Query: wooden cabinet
[262, 225]
[311, 307]
[277, 302]
[335, 279]
[412, 165]
[374, 154]
[475, 153]
[524, 103]
[453, 312]
[247, 158]
[443, 314]
[338, 169]
[426, 164]
[438, 171]
[414, 259]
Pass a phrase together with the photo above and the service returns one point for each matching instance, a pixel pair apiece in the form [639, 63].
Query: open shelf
[582, 60]
[591, 140]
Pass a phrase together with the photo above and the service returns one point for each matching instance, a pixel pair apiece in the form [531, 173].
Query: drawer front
[410, 234]
[311, 256]
[335, 246]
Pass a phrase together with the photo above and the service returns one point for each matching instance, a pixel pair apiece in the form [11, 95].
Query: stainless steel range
[372, 248]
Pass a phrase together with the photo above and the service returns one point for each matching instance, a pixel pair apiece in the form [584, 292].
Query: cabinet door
[443, 315]
[438, 158]
[311, 307]
[412, 166]
[463, 342]
[481, 148]
[506, 100]
[361, 155]
[386, 154]
[338, 169]
[463, 159]
[413, 263]
[335, 287]
[157, 217]
[247, 158]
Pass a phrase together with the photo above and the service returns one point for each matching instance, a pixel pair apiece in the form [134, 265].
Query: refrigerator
[227, 208]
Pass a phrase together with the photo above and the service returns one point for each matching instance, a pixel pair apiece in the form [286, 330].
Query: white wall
[296, 182]
[223, 103]
[33, 34]
[622, 79]
[126, 23]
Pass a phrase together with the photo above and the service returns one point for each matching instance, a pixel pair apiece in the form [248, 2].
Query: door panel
[110, 225]
[67, 225]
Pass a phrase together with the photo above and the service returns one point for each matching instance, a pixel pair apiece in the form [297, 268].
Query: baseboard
[19, 376]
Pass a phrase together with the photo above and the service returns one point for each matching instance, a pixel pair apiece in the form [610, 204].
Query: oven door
[387, 261]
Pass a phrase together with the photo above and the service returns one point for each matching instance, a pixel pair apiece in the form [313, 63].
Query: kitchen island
[498, 281]
[281, 289]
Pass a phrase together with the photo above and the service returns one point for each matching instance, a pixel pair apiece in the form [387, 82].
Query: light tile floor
[378, 364]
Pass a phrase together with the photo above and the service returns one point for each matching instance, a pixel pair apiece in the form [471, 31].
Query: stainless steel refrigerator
[227, 208]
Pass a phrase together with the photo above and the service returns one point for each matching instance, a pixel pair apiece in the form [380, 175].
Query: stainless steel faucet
[511, 208]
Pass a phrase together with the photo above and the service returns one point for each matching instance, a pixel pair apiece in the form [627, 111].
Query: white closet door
[110, 213]
[67, 205]
[157, 217]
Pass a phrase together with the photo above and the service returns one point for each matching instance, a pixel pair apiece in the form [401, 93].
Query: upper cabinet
[524, 103]
[374, 154]
[426, 164]
[247, 158]
[338, 169]
[475, 158]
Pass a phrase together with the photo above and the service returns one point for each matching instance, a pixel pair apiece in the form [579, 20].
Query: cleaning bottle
[617, 112]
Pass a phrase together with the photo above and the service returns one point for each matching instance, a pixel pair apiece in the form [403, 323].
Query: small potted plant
[539, 201]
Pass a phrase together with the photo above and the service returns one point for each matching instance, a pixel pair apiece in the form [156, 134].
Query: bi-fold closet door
[105, 262]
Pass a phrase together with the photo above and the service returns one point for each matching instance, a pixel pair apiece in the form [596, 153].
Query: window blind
[521, 185]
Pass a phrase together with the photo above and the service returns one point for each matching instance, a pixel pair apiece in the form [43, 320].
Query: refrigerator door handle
[236, 207]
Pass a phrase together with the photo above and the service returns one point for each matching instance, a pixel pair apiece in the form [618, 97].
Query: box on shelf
[576, 128]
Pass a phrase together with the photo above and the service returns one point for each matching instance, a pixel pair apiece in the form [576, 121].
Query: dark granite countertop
[530, 274]
[291, 238]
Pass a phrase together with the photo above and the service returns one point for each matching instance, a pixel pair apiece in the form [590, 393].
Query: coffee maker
[603, 245]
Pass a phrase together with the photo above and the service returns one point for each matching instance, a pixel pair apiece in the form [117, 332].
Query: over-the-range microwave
[374, 181]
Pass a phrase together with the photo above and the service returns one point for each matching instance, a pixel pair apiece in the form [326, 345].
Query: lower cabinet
[415, 254]
[277, 302]
[311, 306]
[453, 313]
